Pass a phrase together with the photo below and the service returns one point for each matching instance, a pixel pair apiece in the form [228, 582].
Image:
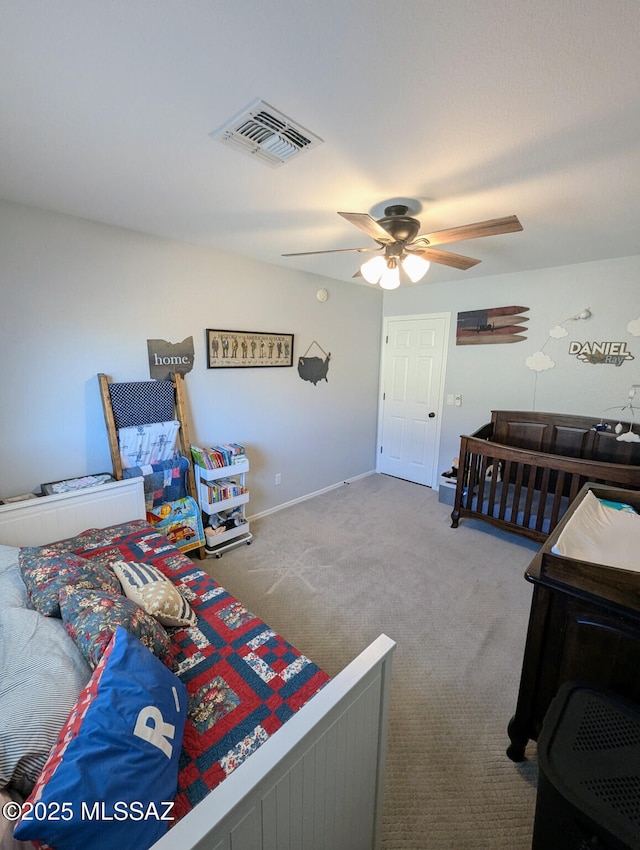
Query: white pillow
[148, 588]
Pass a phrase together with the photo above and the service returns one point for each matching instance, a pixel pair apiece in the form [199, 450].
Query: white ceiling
[475, 109]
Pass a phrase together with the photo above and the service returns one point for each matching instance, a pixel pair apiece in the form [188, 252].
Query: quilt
[163, 481]
[243, 680]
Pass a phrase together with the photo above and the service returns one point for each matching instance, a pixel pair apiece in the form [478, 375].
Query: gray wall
[80, 298]
[496, 376]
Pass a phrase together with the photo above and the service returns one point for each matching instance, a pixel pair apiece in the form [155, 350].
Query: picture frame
[248, 349]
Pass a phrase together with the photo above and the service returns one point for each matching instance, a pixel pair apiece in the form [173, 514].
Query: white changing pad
[601, 534]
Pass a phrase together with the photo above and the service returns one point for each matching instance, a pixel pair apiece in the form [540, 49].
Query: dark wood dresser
[584, 625]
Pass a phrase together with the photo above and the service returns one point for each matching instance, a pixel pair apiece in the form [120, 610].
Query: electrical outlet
[458, 400]
[278, 478]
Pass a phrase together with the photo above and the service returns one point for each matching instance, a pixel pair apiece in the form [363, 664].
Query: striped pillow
[150, 589]
[41, 675]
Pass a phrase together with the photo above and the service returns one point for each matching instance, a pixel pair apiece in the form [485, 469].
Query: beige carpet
[378, 555]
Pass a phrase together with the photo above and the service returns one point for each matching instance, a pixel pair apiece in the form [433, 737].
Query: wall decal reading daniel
[609, 353]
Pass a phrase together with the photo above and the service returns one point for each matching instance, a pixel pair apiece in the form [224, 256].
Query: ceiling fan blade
[445, 258]
[332, 251]
[492, 227]
[369, 225]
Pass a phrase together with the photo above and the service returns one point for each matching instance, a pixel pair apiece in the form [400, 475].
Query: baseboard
[310, 495]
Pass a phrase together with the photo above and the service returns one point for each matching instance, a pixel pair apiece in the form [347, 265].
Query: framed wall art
[247, 349]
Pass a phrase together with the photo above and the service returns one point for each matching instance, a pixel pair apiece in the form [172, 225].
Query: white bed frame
[316, 784]
[34, 522]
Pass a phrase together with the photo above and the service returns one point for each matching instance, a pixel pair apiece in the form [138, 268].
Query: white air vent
[263, 132]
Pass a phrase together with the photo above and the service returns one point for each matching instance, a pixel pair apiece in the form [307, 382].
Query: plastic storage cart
[223, 495]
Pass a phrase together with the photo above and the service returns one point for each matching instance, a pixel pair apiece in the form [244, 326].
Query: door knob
[431, 415]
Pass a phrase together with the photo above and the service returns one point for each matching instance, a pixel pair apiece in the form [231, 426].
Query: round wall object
[322, 295]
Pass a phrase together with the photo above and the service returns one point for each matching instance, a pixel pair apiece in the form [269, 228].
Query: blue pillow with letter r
[111, 777]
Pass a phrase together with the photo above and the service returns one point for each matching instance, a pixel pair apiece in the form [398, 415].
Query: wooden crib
[521, 471]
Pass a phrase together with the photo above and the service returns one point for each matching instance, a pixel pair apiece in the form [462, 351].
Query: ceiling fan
[397, 237]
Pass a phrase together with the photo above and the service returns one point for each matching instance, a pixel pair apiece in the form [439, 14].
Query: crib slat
[516, 492]
[470, 478]
[506, 479]
[465, 474]
[557, 500]
[529, 481]
[491, 462]
[542, 503]
[481, 482]
[474, 478]
[575, 486]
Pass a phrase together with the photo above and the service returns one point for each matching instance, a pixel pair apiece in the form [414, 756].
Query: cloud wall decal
[634, 327]
[539, 362]
[558, 332]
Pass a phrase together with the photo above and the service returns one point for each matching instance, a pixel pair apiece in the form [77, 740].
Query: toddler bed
[521, 471]
[272, 752]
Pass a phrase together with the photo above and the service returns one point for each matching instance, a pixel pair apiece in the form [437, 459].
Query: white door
[413, 368]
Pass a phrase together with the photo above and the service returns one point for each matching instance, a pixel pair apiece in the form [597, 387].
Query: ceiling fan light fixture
[415, 267]
[396, 234]
[373, 269]
[391, 275]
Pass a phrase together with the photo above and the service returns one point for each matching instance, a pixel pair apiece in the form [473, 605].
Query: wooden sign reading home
[166, 358]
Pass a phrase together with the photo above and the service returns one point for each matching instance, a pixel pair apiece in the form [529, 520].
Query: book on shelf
[223, 489]
[215, 457]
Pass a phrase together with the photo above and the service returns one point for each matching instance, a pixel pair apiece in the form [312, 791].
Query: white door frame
[435, 478]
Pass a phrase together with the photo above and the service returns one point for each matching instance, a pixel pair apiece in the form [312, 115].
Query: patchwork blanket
[243, 680]
[164, 481]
